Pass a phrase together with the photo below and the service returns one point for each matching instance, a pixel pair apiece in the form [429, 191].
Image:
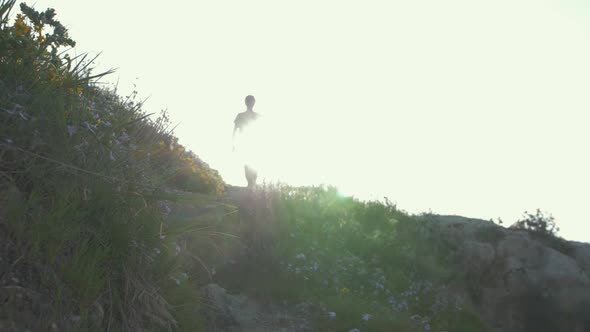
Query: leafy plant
[83, 174]
[539, 222]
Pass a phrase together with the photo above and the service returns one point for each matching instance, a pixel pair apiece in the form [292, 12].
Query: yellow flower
[20, 27]
[77, 90]
[38, 28]
[344, 291]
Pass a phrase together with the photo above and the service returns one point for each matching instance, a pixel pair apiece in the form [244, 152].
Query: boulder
[518, 282]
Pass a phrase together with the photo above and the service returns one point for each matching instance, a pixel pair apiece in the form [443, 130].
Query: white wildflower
[72, 130]
[331, 314]
[366, 317]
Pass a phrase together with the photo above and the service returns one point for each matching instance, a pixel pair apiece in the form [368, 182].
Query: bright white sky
[476, 108]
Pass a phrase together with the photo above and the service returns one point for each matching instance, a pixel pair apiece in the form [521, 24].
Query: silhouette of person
[243, 123]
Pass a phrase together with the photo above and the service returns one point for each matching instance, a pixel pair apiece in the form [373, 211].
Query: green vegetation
[108, 223]
[82, 175]
[543, 228]
[365, 265]
[87, 179]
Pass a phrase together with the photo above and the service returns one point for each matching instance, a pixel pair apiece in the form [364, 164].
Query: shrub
[89, 169]
[373, 266]
[539, 222]
[542, 226]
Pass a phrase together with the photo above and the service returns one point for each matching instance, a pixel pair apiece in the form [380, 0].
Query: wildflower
[331, 314]
[38, 28]
[300, 256]
[344, 291]
[427, 327]
[77, 90]
[366, 317]
[354, 330]
[124, 136]
[8, 140]
[157, 251]
[20, 27]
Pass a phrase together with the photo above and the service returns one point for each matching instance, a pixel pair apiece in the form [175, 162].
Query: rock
[219, 314]
[519, 282]
[227, 312]
[581, 253]
[477, 257]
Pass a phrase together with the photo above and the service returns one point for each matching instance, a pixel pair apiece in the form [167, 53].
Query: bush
[542, 227]
[82, 176]
[373, 266]
[540, 223]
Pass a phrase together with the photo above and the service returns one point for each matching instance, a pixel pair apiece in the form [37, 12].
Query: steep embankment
[82, 170]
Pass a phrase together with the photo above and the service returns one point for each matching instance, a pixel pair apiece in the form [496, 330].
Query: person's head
[250, 101]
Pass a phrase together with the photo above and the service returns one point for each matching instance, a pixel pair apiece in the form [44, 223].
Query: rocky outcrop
[236, 312]
[518, 282]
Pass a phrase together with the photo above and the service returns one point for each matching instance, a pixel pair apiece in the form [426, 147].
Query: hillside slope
[107, 223]
[488, 278]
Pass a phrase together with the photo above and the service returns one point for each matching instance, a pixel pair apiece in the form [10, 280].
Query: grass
[353, 259]
[83, 173]
[94, 205]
